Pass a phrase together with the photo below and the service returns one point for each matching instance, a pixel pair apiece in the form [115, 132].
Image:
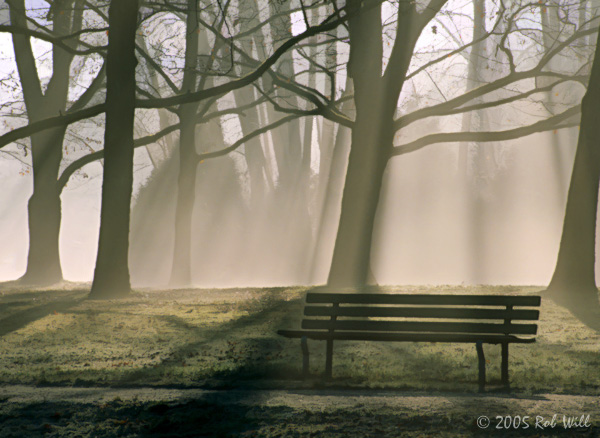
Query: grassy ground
[293, 413]
[226, 339]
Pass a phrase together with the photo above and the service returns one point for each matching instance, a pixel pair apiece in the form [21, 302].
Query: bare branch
[149, 139]
[548, 124]
[246, 138]
[451, 108]
[18, 30]
[328, 24]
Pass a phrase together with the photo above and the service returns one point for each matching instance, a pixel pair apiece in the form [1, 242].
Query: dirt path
[198, 412]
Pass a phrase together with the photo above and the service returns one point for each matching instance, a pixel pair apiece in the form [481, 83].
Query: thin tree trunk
[473, 80]
[550, 33]
[111, 276]
[474, 205]
[290, 218]
[253, 151]
[333, 179]
[302, 221]
[327, 133]
[181, 270]
[249, 120]
[286, 139]
[163, 148]
[326, 150]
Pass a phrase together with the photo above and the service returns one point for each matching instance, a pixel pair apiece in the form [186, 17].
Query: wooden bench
[417, 318]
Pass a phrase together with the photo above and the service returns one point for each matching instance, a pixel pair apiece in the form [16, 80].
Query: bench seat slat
[439, 300]
[422, 312]
[404, 337]
[413, 326]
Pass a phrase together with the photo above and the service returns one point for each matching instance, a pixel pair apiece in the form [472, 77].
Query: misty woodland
[235, 143]
[201, 147]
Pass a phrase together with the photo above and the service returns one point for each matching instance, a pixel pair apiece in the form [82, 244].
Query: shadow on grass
[190, 418]
[20, 319]
[246, 353]
[251, 352]
[209, 416]
[249, 346]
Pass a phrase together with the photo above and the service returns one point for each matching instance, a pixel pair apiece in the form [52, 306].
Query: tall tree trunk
[473, 80]
[161, 150]
[301, 219]
[181, 271]
[249, 120]
[369, 152]
[286, 139]
[366, 165]
[574, 279]
[376, 99]
[290, 218]
[550, 33]
[111, 275]
[327, 132]
[469, 168]
[253, 151]
[44, 207]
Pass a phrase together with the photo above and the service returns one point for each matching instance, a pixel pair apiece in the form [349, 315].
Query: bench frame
[351, 318]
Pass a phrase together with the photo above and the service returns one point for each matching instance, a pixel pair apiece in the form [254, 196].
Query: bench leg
[329, 359]
[304, 346]
[481, 357]
[505, 365]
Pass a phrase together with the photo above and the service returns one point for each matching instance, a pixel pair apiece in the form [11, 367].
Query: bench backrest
[376, 312]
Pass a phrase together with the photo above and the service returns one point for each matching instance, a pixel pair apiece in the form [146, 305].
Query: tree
[181, 272]
[111, 276]
[260, 181]
[573, 282]
[278, 239]
[352, 252]
[44, 208]
[376, 98]
[373, 129]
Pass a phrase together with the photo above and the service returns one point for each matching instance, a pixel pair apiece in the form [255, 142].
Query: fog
[434, 230]
[494, 218]
[424, 232]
